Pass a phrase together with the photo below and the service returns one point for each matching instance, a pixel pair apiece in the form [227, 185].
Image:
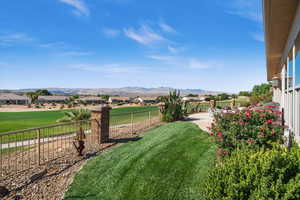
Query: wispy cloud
[162, 58]
[56, 45]
[197, 64]
[166, 28]
[258, 37]
[76, 53]
[14, 38]
[144, 35]
[109, 32]
[175, 49]
[186, 62]
[79, 7]
[113, 68]
[250, 9]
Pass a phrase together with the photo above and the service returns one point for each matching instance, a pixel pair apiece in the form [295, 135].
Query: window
[297, 71]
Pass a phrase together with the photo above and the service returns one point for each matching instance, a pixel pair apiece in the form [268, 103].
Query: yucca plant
[173, 108]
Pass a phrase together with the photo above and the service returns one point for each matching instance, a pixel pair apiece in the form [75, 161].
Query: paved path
[203, 120]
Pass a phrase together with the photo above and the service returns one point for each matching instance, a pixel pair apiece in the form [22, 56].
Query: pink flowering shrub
[251, 127]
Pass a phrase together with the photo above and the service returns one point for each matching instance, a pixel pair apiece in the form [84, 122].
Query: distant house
[146, 100]
[53, 99]
[113, 100]
[11, 98]
[92, 100]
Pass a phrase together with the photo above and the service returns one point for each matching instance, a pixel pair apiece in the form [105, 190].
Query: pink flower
[271, 106]
[250, 140]
[220, 134]
[248, 115]
[269, 121]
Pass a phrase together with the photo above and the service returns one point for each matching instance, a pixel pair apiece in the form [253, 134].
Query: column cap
[101, 108]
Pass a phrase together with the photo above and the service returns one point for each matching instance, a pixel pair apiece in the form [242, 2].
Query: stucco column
[100, 124]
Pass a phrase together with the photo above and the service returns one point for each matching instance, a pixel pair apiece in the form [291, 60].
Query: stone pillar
[100, 124]
[232, 103]
[213, 103]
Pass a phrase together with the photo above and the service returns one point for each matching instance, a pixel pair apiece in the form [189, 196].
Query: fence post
[39, 146]
[100, 124]
[131, 123]
[149, 118]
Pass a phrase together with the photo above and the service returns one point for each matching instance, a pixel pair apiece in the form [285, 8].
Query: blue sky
[209, 44]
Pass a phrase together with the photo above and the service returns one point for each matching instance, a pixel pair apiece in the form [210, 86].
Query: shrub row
[253, 164]
[256, 127]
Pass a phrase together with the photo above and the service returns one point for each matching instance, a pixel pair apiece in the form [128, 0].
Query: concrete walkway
[203, 120]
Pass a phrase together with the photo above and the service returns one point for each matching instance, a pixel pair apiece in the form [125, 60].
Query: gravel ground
[57, 175]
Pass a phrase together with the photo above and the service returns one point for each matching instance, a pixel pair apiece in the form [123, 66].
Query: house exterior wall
[290, 88]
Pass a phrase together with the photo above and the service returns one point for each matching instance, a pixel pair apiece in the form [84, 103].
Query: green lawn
[10, 121]
[169, 162]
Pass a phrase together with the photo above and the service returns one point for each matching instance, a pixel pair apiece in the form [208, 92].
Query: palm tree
[75, 115]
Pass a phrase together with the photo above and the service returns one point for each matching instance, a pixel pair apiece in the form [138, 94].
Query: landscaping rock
[38, 176]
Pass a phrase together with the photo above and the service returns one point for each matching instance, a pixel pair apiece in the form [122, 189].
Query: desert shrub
[37, 106]
[70, 105]
[62, 106]
[245, 104]
[120, 103]
[251, 175]
[256, 127]
[173, 108]
[53, 104]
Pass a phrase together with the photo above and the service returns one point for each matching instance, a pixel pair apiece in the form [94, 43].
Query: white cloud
[144, 35]
[185, 62]
[250, 9]
[76, 53]
[258, 37]
[174, 50]
[79, 6]
[197, 64]
[162, 58]
[109, 32]
[56, 45]
[114, 68]
[13, 38]
[166, 28]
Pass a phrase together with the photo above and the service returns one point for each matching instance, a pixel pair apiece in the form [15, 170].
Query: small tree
[33, 96]
[173, 108]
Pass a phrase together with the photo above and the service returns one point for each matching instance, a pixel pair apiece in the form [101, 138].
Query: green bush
[256, 175]
[256, 127]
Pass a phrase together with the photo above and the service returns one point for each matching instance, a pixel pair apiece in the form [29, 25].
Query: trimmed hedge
[249, 174]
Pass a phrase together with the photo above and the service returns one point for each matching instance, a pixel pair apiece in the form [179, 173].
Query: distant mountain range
[124, 91]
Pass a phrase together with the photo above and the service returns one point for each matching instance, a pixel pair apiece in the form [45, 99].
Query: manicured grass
[10, 121]
[169, 162]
